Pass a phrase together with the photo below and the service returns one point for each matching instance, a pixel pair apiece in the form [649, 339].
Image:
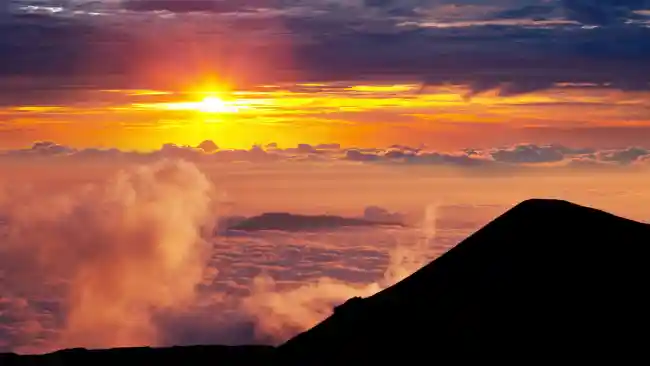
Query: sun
[212, 104]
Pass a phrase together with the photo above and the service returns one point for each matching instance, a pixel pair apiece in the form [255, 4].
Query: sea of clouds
[133, 260]
[517, 155]
[132, 256]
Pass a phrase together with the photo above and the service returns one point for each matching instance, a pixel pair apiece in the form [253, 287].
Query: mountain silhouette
[547, 281]
[292, 222]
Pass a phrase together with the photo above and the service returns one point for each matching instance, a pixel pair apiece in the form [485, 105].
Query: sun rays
[210, 104]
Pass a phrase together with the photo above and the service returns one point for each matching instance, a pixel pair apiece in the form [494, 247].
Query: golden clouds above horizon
[353, 113]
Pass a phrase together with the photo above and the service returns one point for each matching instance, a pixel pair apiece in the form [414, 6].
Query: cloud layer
[132, 261]
[521, 155]
[130, 258]
[514, 46]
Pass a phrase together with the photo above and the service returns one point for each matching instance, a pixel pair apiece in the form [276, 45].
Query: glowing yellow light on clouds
[136, 92]
[209, 104]
[382, 88]
[41, 109]
[312, 84]
[216, 105]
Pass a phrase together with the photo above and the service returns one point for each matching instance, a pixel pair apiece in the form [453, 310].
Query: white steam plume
[127, 256]
[282, 314]
[122, 250]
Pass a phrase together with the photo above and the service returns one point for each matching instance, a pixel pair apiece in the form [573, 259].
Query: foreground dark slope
[188, 355]
[546, 280]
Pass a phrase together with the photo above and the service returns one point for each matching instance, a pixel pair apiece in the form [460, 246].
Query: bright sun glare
[209, 104]
[215, 105]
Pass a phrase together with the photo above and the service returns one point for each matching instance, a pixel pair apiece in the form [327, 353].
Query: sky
[130, 129]
[362, 73]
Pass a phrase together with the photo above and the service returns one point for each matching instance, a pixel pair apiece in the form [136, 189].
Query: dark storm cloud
[39, 45]
[395, 7]
[208, 6]
[592, 12]
[335, 40]
[514, 58]
[536, 12]
[603, 12]
[183, 6]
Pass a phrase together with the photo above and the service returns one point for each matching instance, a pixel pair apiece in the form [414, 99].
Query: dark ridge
[548, 281]
[188, 355]
[292, 222]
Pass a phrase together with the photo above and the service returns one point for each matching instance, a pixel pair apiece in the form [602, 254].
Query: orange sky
[358, 114]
